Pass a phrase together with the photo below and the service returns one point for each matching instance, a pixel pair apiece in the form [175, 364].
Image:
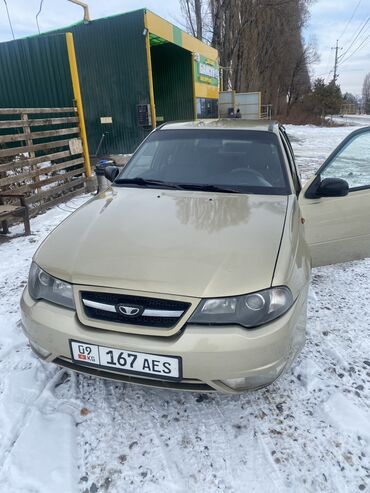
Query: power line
[356, 50]
[362, 42]
[350, 20]
[356, 37]
[339, 59]
[10, 22]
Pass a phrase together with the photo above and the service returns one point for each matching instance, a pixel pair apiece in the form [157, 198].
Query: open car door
[335, 204]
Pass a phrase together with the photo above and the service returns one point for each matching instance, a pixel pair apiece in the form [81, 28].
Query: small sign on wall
[75, 146]
[106, 119]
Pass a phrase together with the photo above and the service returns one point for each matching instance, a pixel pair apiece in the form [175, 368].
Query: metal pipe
[10, 22]
[78, 98]
[87, 18]
[150, 72]
[99, 145]
[194, 86]
[37, 16]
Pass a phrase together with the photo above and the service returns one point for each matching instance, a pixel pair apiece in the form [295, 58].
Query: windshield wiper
[143, 182]
[208, 188]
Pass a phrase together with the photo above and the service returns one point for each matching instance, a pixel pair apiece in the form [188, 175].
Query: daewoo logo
[131, 311]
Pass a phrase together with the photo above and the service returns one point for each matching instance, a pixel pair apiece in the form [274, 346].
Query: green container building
[136, 70]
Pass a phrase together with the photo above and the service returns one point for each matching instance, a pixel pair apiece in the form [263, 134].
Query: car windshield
[239, 161]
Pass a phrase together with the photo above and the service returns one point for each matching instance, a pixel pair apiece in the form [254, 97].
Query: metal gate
[249, 104]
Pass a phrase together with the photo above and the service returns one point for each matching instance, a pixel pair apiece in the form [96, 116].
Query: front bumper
[210, 355]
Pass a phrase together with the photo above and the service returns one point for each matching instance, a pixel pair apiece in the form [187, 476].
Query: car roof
[223, 124]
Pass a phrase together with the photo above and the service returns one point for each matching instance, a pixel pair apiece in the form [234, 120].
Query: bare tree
[260, 45]
[300, 81]
[195, 12]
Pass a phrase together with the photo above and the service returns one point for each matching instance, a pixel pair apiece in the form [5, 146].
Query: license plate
[163, 367]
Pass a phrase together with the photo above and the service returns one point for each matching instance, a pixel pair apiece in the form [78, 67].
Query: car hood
[184, 243]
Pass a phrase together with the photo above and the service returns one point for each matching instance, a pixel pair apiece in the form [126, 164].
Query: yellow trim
[164, 29]
[78, 98]
[150, 73]
[194, 89]
[206, 91]
[158, 26]
[193, 44]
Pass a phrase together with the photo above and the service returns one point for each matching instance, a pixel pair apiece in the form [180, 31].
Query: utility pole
[336, 48]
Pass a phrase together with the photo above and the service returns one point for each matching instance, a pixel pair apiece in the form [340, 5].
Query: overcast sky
[330, 19]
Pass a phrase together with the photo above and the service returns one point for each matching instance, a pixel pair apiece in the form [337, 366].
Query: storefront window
[207, 108]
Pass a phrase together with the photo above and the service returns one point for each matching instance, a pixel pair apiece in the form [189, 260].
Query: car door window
[352, 162]
[289, 153]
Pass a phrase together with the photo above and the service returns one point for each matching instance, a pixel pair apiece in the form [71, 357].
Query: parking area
[309, 432]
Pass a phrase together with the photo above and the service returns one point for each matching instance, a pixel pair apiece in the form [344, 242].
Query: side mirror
[333, 187]
[111, 172]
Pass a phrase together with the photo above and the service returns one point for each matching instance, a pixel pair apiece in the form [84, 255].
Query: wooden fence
[41, 155]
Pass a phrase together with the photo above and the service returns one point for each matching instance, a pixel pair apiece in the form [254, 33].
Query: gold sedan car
[191, 271]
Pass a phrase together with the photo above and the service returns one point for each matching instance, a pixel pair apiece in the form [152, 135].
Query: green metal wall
[34, 72]
[172, 81]
[113, 72]
[112, 67]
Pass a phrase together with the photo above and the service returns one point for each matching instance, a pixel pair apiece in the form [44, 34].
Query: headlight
[250, 310]
[42, 286]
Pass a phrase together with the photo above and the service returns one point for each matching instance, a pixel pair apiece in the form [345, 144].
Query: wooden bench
[8, 211]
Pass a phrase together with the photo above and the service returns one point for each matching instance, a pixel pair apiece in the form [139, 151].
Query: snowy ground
[353, 120]
[309, 432]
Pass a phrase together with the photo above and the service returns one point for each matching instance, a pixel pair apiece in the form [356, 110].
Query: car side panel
[293, 266]
[337, 229]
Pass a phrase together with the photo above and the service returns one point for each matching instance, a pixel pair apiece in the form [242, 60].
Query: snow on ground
[312, 145]
[353, 120]
[309, 432]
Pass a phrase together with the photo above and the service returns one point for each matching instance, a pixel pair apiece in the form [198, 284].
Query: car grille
[133, 310]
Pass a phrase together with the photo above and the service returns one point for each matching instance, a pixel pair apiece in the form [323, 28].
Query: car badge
[131, 311]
